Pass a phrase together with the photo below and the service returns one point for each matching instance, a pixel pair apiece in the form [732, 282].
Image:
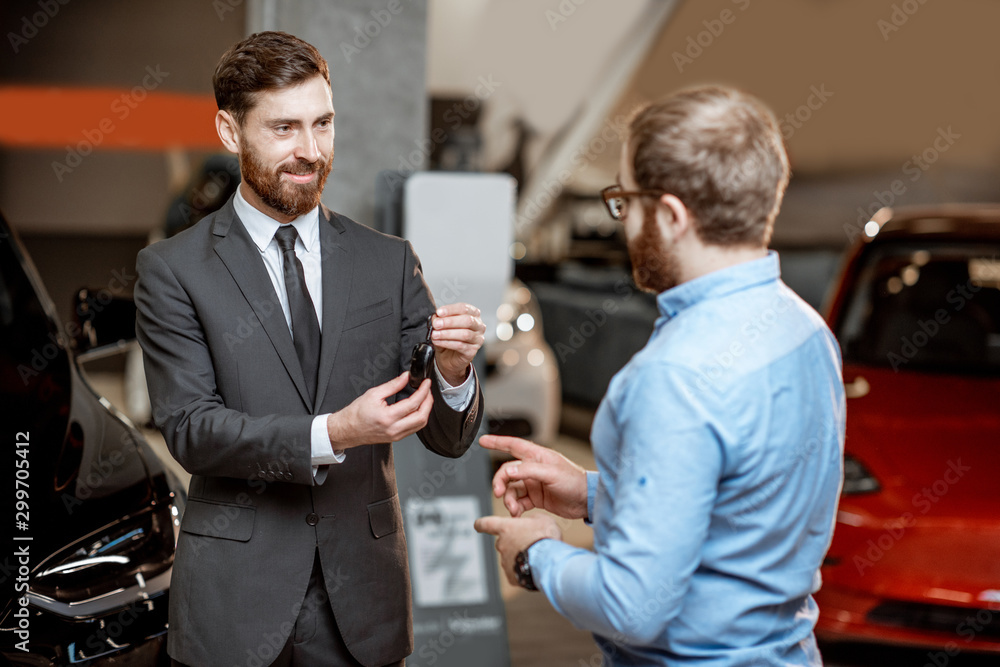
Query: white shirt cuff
[458, 398]
[322, 450]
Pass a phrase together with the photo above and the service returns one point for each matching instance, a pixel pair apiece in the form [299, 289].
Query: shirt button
[312, 518]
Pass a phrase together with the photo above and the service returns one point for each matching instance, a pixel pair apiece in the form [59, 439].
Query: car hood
[932, 434]
[83, 465]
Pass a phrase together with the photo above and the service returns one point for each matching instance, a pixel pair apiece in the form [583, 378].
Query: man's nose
[307, 147]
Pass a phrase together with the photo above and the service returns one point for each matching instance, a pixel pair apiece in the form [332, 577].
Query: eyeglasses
[616, 199]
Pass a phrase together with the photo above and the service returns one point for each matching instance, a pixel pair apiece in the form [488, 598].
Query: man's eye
[283, 129]
[325, 124]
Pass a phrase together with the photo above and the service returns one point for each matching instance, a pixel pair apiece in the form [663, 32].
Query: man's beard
[654, 264]
[285, 197]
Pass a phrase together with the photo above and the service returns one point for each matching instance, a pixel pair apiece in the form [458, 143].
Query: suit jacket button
[269, 476]
[262, 474]
[312, 518]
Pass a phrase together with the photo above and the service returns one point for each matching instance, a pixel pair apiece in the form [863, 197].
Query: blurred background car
[522, 379]
[914, 558]
[100, 514]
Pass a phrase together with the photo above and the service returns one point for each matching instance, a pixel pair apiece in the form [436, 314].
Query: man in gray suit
[276, 334]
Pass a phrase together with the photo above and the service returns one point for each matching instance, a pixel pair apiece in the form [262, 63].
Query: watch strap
[522, 570]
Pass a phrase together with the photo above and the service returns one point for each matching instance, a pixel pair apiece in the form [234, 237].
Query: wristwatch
[522, 570]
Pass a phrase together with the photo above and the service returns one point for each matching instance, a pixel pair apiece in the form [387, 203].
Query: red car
[915, 558]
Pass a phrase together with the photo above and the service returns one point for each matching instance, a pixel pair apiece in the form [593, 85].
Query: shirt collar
[262, 227]
[719, 283]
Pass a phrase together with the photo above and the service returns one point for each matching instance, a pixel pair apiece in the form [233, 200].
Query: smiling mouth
[300, 178]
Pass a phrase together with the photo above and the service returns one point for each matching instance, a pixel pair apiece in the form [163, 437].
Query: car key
[422, 359]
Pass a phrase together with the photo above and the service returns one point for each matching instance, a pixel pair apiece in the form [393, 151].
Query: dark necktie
[305, 326]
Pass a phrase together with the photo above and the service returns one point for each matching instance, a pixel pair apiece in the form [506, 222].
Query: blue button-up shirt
[719, 449]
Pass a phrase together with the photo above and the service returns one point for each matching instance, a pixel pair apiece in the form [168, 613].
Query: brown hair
[720, 152]
[263, 61]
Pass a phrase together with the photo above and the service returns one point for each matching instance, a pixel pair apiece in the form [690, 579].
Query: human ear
[228, 130]
[672, 216]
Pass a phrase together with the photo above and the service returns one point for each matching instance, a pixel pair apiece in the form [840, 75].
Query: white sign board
[462, 227]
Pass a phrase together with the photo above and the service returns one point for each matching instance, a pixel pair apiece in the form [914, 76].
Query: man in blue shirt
[719, 444]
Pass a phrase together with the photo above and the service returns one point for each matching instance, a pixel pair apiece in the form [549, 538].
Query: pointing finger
[489, 524]
[516, 447]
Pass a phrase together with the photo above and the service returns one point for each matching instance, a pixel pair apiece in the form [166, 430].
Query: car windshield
[925, 306]
[34, 368]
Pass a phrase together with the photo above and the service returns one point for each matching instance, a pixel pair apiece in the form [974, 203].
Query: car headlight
[857, 478]
[516, 314]
[126, 561]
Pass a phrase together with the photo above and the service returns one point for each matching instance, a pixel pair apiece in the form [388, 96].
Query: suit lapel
[241, 256]
[337, 272]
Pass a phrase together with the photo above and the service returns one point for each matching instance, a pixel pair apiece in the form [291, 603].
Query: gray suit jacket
[229, 396]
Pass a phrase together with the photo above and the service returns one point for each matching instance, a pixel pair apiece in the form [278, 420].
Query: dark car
[915, 557]
[92, 513]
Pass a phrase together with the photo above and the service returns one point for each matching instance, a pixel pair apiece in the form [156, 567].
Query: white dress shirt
[261, 228]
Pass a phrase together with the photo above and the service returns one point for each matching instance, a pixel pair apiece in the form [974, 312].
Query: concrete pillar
[377, 55]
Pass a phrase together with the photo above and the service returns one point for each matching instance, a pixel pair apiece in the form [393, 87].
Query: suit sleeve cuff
[322, 450]
[458, 398]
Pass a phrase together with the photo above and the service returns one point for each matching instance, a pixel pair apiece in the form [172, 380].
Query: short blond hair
[720, 152]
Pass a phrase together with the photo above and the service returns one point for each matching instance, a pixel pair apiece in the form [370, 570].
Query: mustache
[301, 167]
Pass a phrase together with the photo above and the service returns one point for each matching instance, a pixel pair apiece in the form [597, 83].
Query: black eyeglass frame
[615, 192]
